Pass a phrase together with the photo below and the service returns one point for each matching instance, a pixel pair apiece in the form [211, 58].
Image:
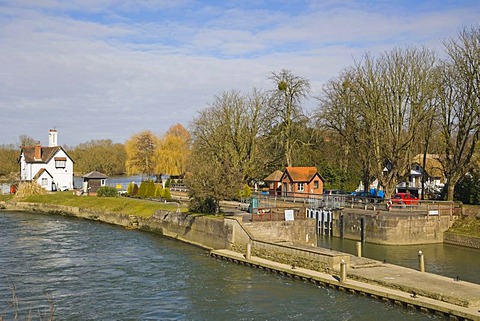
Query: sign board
[433, 212]
[289, 215]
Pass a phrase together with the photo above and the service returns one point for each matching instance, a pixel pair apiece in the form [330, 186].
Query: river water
[96, 271]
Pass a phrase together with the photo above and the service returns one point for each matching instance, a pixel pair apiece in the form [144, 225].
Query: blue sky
[106, 69]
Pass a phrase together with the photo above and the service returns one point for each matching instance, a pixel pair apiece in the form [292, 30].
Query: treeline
[371, 120]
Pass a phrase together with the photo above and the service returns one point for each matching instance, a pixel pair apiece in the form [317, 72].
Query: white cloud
[105, 69]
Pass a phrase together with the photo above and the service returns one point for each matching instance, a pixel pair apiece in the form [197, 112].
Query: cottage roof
[433, 166]
[302, 174]
[46, 154]
[40, 172]
[95, 175]
[274, 177]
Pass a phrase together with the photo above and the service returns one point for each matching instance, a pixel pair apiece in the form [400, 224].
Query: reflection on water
[444, 259]
[95, 271]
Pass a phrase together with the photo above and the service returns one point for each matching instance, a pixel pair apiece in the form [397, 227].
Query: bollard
[249, 251]
[359, 249]
[343, 271]
[421, 261]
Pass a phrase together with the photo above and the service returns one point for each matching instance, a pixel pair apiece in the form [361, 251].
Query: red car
[404, 199]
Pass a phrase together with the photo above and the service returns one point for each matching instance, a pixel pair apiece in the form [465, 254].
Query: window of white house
[44, 181]
[301, 187]
[60, 163]
[315, 184]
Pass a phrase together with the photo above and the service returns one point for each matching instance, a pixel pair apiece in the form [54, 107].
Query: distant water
[96, 271]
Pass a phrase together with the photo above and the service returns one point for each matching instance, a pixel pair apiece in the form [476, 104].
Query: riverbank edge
[172, 224]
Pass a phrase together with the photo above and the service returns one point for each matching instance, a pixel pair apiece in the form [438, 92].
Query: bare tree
[225, 151]
[460, 105]
[395, 93]
[286, 109]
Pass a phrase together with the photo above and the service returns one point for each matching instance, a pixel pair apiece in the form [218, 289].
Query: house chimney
[52, 138]
[38, 151]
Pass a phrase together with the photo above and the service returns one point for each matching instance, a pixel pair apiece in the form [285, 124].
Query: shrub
[130, 188]
[166, 194]
[142, 190]
[107, 191]
[150, 189]
[29, 189]
[158, 190]
[135, 190]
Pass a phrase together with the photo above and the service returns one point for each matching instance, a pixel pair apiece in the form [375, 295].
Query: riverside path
[399, 285]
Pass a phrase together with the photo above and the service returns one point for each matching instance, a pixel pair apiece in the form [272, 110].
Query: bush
[158, 190]
[142, 190]
[207, 205]
[130, 188]
[166, 194]
[107, 191]
[150, 189]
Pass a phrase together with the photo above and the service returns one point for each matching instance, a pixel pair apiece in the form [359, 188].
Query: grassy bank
[123, 205]
[468, 226]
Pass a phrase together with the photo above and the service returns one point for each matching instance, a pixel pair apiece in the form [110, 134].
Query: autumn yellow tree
[141, 153]
[173, 151]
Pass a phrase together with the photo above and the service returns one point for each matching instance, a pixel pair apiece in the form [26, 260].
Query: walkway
[393, 283]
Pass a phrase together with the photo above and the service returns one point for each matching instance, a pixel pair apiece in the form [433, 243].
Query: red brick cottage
[301, 182]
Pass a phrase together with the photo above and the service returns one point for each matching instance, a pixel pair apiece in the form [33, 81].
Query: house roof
[95, 175]
[39, 174]
[274, 177]
[433, 166]
[302, 174]
[46, 154]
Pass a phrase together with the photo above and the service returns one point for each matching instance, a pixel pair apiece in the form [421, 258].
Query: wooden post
[421, 262]
[249, 251]
[359, 249]
[343, 271]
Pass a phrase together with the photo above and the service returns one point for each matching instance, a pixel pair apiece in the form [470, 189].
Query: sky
[108, 69]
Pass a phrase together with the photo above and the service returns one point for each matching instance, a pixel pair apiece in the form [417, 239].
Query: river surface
[96, 271]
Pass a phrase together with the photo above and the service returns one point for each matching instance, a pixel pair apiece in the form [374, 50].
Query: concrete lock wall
[318, 259]
[390, 229]
[462, 240]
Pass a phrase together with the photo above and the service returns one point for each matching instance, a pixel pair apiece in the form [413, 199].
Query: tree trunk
[450, 190]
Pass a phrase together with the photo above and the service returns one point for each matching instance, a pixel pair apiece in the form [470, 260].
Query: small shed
[274, 181]
[93, 181]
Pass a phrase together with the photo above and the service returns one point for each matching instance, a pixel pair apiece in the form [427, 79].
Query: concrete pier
[399, 285]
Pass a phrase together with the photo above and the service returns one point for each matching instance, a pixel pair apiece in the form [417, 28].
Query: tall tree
[225, 152]
[460, 105]
[99, 155]
[286, 109]
[8, 161]
[141, 153]
[25, 140]
[395, 93]
[339, 111]
[173, 151]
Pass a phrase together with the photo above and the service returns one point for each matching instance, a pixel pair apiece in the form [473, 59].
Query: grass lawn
[123, 205]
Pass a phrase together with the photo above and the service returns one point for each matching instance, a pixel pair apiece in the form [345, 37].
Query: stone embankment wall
[391, 229]
[213, 233]
[462, 240]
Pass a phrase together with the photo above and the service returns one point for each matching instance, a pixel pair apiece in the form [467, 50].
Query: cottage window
[290, 187]
[60, 163]
[315, 184]
[301, 187]
[44, 181]
[102, 182]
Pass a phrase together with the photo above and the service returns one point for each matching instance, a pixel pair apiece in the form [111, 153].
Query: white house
[51, 167]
